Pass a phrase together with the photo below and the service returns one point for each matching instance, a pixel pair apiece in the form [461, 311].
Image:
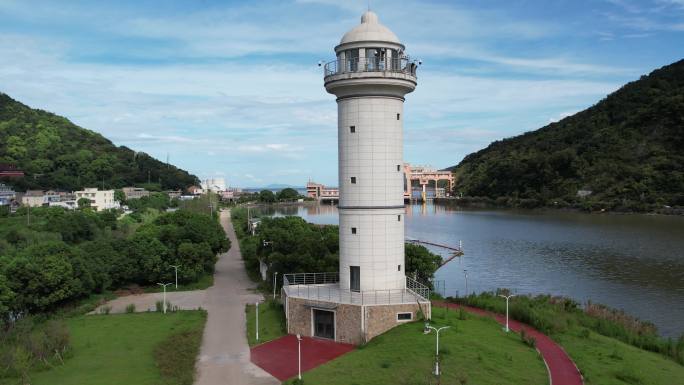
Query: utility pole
[275, 283]
[466, 282]
[164, 285]
[175, 267]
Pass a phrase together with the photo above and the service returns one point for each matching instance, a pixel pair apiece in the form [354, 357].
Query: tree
[287, 194]
[6, 297]
[267, 196]
[83, 203]
[119, 196]
[421, 261]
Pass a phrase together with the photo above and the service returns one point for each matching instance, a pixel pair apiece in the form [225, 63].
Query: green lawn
[120, 349]
[607, 361]
[271, 322]
[473, 351]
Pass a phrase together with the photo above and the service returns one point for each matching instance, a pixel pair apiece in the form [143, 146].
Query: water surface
[630, 262]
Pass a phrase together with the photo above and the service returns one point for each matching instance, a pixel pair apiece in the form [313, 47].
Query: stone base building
[323, 310]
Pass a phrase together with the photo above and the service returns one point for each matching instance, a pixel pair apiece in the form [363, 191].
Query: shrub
[105, 309]
[130, 308]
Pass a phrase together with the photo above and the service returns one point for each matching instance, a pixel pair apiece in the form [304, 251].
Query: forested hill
[628, 150]
[55, 153]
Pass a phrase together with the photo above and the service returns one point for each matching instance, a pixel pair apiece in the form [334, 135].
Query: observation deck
[370, 68]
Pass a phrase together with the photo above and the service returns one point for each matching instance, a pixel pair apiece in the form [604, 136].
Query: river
[630, 262]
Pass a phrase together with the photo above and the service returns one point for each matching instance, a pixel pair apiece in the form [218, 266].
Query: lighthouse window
[353, 230]
[398, 267]
[398, 167]
[353, 180]
[398, 116]
[352, 129]
[398, 218]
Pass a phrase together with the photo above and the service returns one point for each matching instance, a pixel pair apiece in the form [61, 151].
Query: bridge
[420, 175]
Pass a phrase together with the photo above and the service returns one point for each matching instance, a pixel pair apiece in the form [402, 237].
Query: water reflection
[634, 262]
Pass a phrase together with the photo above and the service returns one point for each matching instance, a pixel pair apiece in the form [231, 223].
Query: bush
[130, 308]
[105, 309]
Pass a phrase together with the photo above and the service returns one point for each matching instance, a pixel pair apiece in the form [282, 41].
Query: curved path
[562, 370]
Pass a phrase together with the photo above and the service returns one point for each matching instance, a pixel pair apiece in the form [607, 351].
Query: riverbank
[582, 207]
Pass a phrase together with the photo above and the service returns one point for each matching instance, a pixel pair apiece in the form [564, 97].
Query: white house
[99, 199]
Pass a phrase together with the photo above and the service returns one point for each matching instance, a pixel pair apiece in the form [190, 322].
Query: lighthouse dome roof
[370, 29]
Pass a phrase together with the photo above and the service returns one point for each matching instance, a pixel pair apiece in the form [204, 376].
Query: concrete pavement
[224, 356]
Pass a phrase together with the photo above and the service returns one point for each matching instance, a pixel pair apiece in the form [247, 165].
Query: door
[324, 324]
[354, 278]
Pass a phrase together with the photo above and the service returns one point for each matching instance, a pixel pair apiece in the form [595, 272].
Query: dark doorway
[354, 278]
[324, 324]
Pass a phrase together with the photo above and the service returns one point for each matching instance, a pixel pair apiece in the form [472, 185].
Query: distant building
[33, 198]
[320, 192]
[7, 195]
[214, 184]
[584, 193]
[10, 171]
[227, 195]
[194, 190]
[174, 194]
[135, 192]
[99, 199]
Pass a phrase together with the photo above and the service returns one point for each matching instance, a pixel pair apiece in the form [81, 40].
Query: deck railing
[324, 287]
[340, 66]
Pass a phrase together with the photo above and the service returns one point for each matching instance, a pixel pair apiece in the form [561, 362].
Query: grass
[473, 351]
[205, 281]
[271, 322]
[120, 349]
[607, 361]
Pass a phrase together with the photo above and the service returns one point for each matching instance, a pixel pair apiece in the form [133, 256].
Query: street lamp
[507, 298]
[164, 285]
[175, 267]
[427, 330]
[275, 282]
[299, 356]
[257, 321]
[466, 282]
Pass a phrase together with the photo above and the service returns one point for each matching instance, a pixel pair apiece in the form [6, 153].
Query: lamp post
[175, 267]
[427, 330]
[275, 282]
[466, 282]
[257, 321]
[164, 303]
[299, 356]
[507, 298]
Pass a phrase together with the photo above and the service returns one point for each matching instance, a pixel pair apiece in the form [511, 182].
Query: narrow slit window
[399, 218]
[398, 116]
[352, 129]
[353, 230]
[398, 267]
[353, 180]
[398, 167]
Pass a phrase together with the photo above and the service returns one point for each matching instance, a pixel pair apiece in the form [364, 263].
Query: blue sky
[232, 89]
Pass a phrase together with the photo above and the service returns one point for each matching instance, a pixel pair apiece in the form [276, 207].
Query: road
[224, 356]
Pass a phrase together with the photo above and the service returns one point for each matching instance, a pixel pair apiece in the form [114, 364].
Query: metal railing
[324, 287]
[341, 66]
[418, 288]
[310, 278]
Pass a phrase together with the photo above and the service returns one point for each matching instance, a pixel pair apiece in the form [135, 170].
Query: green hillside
[628, 150]
[55, 153]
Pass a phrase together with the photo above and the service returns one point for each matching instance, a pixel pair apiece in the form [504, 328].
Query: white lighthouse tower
[371, 292]
[370, 78]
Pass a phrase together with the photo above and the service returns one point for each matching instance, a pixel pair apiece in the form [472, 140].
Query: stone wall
[348, 323]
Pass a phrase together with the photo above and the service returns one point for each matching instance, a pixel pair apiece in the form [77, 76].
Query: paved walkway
[279, 357]
[224, 356]
[562, 370]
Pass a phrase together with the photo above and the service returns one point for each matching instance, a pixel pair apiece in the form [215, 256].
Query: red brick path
[279, 357]
[562, 369]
